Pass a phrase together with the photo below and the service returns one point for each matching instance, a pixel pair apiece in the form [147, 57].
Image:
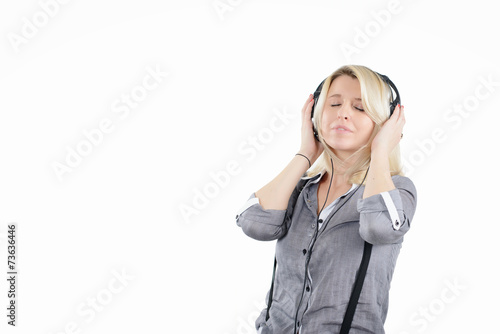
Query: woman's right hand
[309, 146]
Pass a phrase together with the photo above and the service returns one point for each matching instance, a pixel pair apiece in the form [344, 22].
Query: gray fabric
[335, 257]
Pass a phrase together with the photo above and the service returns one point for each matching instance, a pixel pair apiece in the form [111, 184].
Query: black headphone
[394, 101]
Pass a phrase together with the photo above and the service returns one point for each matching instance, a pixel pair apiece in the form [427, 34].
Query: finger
[306, 115]
[395, 114]
[401, 116]
[306, 105]
[398, 112]
[309, 98]
[400, 126]
[309, 108]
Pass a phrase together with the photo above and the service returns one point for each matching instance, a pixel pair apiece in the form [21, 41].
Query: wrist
[311, 155]
[379, 153]
[305, 158]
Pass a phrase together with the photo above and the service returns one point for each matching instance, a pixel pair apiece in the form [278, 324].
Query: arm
[379, 178]
[379, 175]
[267, 224]
[386, 217]
[275, 194]
[388, 203]
[260, 224]
[263, 216]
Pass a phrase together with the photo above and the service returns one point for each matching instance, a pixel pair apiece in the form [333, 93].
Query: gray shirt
[381, 220]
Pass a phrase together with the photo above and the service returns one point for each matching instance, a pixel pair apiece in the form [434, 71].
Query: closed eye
[336, 105]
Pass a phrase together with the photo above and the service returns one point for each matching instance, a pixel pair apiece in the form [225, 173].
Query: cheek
[365, 124]
[326, 119]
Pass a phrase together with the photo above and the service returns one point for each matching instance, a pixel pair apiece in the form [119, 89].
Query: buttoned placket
[313, 230]
[312, 205]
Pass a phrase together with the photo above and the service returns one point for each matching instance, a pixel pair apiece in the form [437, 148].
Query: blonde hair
[375, 96]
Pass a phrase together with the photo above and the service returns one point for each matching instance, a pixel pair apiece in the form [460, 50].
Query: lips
[342, 128]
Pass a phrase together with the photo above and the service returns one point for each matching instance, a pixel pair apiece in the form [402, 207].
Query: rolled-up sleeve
[260, 224]
[386, 217]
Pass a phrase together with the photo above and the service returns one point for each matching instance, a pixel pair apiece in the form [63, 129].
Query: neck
[339, 176]
[338, 179]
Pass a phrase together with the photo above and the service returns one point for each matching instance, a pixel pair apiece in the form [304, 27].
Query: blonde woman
[339, 224]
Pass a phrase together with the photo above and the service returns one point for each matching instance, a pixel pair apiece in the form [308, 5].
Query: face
[343, 108]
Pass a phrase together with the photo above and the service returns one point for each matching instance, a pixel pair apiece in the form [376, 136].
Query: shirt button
[304, 251]
[320, 221]
[313, 225]
[308, 289]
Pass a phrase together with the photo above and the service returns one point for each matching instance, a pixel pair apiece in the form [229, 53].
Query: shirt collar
[317, 177]
[314, 178]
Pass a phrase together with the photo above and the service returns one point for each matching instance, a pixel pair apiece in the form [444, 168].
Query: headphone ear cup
[315, 132]
[317, 92]
[392, 86]
[393, 106]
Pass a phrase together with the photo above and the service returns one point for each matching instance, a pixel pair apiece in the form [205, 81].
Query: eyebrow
[338, 95]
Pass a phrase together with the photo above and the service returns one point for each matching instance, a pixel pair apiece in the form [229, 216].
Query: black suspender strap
[351, 307]
[270, 300]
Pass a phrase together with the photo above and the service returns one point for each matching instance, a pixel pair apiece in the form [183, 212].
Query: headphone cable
[315, 237]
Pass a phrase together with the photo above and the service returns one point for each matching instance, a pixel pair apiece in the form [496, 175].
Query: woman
[354, 198]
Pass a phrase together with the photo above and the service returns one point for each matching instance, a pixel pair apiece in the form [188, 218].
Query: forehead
[345, 86]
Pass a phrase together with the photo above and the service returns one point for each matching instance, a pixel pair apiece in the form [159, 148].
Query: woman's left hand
[390, 133]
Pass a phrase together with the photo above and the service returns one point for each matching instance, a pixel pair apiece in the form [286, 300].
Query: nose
[343, 113]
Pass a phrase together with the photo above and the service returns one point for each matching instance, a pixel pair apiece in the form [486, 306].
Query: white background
[229, 73]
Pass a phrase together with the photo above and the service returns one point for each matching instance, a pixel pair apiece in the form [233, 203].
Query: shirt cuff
[393, 212]
[258, 223]
[251, 201]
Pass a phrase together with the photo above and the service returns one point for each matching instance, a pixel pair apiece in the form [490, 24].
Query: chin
[337, 145]
[340, 144]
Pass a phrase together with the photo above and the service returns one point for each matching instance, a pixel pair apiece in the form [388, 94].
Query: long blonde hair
[375, 96]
